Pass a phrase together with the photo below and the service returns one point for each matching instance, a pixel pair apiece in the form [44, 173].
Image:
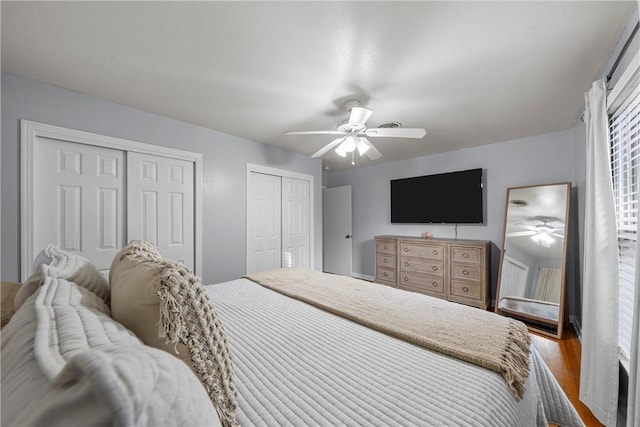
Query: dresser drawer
[385, 274]
[420, 281]
[466, 289]
[466, 254]
[423, 265]
[422, 250]
[454, 270]
[386, 246]
[466, 272]
[384, 260]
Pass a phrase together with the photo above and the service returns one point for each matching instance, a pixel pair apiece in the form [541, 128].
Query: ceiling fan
[540, 233]
[354, 131]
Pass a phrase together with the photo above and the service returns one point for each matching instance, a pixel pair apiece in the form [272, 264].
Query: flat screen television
[449, 198]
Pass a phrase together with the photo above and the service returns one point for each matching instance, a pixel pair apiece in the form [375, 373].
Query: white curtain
[633, 402]
[599, 365]
[548, 286]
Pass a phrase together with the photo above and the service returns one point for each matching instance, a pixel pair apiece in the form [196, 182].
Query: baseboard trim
[576, 326]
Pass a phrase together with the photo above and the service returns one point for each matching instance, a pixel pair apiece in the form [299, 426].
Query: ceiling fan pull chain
[353, 162]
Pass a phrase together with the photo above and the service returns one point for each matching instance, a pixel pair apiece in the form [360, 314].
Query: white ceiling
[471, 73]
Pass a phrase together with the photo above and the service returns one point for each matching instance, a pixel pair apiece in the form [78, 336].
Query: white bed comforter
[298, 365]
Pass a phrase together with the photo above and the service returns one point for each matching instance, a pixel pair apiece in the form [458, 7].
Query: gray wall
[224, 167]
[540, 159]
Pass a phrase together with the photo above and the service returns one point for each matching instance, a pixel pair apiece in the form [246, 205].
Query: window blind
[624, 130]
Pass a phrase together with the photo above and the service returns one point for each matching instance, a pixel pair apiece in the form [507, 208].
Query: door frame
[30, 131]
[252, 167]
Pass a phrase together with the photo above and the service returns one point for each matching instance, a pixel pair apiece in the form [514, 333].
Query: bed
[299, 365]
[291, 363]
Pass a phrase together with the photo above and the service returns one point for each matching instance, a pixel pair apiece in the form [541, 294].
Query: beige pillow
[8, 292]
[165, 305]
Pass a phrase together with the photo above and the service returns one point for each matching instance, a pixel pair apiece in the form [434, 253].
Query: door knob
[348, 236]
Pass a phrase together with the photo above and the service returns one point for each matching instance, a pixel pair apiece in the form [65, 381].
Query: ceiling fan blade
[328, 147]
[558, 235]
[371, 151]
[396, 132]
[521, 233]
[359, 117]
[316, 132]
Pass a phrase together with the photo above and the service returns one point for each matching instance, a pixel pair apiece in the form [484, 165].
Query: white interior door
[160, 199]
[295, 223]
[336, 230]
[264, 222]
[78, 202]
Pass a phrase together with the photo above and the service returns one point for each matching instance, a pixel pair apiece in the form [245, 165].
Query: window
[624, 130]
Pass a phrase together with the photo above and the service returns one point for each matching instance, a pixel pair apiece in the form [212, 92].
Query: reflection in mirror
[531, 282]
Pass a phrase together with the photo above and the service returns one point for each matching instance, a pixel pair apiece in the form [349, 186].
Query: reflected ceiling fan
[540, 233]
[354, 132]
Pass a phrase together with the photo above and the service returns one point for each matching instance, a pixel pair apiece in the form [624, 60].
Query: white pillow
[53, 261]
[67, 363]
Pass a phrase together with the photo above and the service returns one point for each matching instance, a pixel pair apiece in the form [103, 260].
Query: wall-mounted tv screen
[450, 198]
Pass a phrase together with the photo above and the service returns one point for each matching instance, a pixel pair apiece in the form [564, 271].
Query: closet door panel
[264, 200]
[79, 202]
[160, 204]
[295, 223]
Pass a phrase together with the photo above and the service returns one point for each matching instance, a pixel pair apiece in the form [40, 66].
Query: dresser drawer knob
[434, 268]
[406, 249]
[386, 246]
[385, 274]
[465, 255]
[406, 279]
[435, 252]
[406, 263]
[435, 284]
[386, 261]
[465, 289]
[465, 272]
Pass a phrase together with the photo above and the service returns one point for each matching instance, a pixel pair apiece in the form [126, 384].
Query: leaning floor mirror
[531, 279]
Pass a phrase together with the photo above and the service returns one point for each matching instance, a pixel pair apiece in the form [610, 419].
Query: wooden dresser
[455, 270]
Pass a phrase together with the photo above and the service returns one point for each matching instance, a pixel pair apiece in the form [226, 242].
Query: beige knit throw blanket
[467, 333]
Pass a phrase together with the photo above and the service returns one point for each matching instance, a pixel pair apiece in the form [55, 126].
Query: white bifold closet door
[160, 204]
[278, 218]
[79, 199]
[295, 223]
[87, 201]
[264, 225]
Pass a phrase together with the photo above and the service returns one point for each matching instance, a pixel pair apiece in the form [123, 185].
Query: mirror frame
[563, 284]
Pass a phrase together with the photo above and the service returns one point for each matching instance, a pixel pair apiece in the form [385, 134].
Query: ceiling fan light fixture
[543, 239]
[347, 146]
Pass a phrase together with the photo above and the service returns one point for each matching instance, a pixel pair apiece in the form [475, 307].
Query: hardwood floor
[563, 358]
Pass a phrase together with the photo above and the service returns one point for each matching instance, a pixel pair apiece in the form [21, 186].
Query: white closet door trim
[30, 131]
[251, 167]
